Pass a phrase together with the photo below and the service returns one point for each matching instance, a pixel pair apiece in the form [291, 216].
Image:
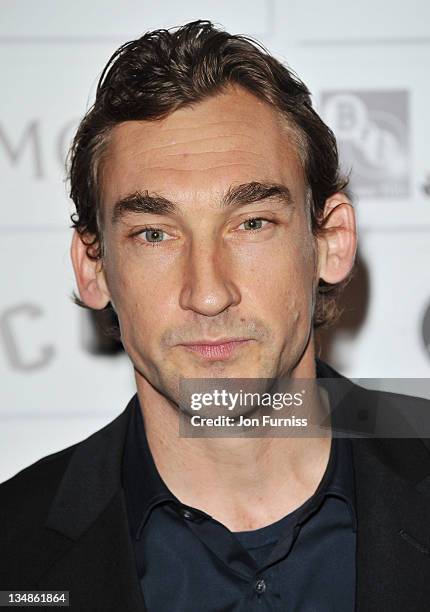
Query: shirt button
[187, 514]
[260, 586]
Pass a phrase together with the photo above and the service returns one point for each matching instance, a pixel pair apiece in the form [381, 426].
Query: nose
[208, 288]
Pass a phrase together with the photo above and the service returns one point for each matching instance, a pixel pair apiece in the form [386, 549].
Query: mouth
[218, 349]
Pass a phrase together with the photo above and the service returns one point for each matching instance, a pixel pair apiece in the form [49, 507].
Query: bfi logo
[373, 133]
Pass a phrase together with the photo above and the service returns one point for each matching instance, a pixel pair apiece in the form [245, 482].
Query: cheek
[142, 297]
[279, 281]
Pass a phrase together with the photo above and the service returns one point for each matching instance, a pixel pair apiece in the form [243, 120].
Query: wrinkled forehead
[198, 152]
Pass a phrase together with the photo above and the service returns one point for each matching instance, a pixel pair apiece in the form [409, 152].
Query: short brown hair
[164, 70]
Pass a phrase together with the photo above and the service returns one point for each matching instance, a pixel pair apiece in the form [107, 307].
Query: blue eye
[155, 235]
[152, 235]
[255, 223]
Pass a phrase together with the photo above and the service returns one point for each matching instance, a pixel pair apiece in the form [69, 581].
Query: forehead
[198, 152]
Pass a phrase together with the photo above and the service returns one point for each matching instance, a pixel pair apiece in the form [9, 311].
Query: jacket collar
[87, 548]
[92, 478]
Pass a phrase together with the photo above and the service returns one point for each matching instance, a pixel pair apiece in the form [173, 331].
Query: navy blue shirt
[189, 562]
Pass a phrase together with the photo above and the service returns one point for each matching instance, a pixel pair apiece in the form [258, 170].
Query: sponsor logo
[372, 131]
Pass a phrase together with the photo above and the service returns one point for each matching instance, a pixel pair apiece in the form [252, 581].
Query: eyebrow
[240, 195]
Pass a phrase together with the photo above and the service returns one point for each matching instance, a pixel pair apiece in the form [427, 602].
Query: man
[211, 216]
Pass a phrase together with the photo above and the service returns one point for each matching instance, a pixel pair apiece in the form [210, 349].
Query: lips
[216, 349]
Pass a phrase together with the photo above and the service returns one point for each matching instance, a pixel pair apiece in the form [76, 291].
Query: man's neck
[245, 483]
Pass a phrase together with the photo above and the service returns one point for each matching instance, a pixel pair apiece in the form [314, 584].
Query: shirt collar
[338, 479]
[143, 485]
[339, 476]
[144, 488]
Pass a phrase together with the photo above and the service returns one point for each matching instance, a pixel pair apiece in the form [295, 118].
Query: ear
[89, 275]
[337, 242]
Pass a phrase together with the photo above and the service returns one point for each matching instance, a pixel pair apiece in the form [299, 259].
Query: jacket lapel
[392, 486]
[90, 552]
[98, 569]
[393, 533]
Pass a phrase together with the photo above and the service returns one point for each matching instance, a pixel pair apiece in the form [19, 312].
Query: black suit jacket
[63, 521]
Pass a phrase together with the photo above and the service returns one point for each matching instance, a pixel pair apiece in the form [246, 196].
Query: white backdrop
[367, 65]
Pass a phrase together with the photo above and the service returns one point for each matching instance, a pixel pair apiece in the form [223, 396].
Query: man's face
[232, 256]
